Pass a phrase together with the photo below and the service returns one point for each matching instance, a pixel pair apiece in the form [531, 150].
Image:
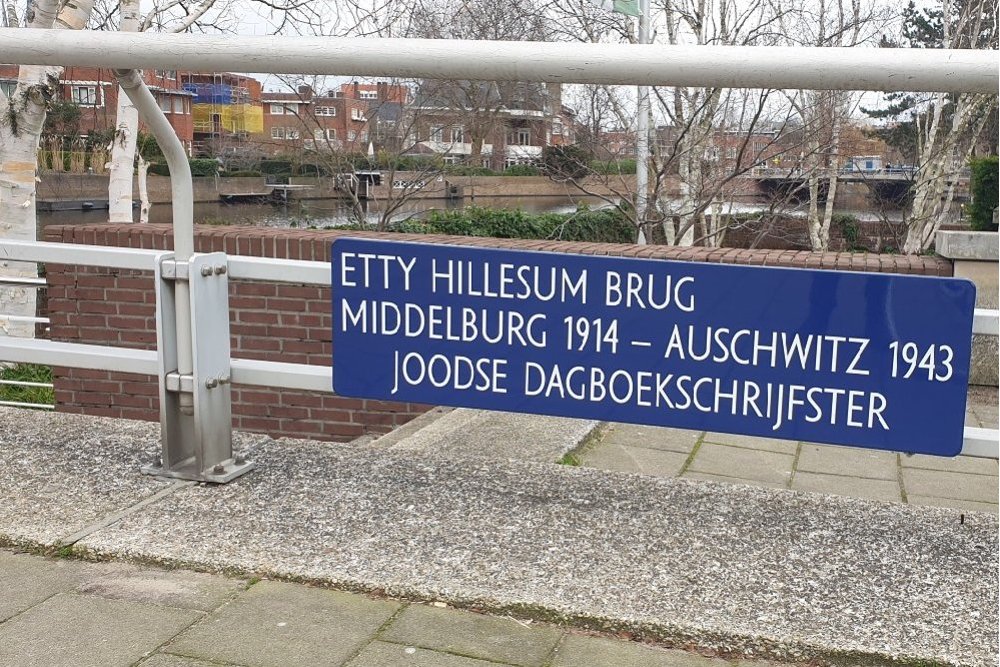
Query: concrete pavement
[70, 612]
[961, 483]
[730, 569]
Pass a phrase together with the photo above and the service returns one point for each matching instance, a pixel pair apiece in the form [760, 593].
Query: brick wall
[292, 323]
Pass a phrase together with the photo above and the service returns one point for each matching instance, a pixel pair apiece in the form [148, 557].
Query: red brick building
[338, 121]
[95, 92]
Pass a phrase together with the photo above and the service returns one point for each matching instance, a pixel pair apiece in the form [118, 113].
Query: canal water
[322, 213]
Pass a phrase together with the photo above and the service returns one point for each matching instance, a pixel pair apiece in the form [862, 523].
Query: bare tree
[20, 128]
[179, 16]
[949, 126]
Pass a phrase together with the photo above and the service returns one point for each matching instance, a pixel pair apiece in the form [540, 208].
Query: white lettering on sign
[379, 268]
[378, 299]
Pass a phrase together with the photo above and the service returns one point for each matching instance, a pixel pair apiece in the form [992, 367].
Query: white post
[642, 134]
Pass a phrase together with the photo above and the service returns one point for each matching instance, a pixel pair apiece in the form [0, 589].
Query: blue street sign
[861, 359]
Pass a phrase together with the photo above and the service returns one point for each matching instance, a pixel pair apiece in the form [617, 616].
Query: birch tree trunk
[126, 131]
[944, 149]
[143, 191]
[20, 129]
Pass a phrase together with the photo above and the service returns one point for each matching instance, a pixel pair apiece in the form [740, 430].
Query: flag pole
[642, 134]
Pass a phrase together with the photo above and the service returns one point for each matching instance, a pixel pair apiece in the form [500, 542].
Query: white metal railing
[27, 283]
[193, 356]
[566, 62]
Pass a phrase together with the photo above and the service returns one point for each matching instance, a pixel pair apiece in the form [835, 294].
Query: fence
[192, 360]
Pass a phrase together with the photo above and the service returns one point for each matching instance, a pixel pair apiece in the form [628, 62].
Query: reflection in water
[321, 212]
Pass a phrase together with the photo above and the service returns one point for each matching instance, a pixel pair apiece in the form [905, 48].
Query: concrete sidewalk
[69, 612]
[962, 483]
[730, 569]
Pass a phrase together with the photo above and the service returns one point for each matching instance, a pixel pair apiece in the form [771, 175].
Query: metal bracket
[171, 269]
[180, 383]
[196, 444]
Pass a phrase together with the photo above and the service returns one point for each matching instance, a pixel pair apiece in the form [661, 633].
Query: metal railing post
[192, 327]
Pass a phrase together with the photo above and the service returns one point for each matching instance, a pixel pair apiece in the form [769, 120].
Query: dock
[277, 193]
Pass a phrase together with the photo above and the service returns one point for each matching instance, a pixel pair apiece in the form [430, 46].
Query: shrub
[199, 167]
[465, 170]
[566, 162]
[606, 225]
[613, 167]
[522, 170]
[983, 189]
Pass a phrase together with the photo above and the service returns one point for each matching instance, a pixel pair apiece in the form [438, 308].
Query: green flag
[630, 7]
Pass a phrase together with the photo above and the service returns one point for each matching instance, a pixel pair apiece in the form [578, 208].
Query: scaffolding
[223, 109]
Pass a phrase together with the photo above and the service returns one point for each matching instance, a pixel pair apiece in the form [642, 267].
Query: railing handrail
[857, 68]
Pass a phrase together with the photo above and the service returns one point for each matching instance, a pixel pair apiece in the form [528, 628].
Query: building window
[86, 95]
[277, 133]
[368, 94]
[291, 133]
[357, 114]
[165, 73]
[164, 103]
[179, 105]
[731, 153]
[557, 127]
[7, 87]
[351, 135]
[522, 137]
[277, 109]
[326, 111]
[457, 135]
[437, 133]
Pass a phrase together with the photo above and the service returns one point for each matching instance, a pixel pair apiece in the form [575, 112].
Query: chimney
[383, 91]
[555, 96]
[305, 92]
[356, 94]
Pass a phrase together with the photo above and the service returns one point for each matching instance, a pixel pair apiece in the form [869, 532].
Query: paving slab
[849, 461]
[86, 631]
[170, 588]
[166, 660]
[965, 464]
[753, 442]
[473, 635]
[743, 463]
[28, 580]
[706, 477]
[856, 487]
[383, 654]
[965, 505]
[980, 488]
[727, 568]
[506, 435]
[623, 458]
[578, 650]
[78, 463]
[652, 437]
[283, 625]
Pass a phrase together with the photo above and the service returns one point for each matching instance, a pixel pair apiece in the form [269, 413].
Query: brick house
[226, 110]
[95, 92]
[496, 125]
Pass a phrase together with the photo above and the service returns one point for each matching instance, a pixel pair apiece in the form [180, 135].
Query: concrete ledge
[726, 568]
[976, 246]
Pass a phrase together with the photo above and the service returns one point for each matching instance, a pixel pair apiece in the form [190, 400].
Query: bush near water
[606, 225]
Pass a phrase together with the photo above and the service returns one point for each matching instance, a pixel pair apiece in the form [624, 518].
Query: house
[489, 124]
[94, 92]
[226, 111]
[305, 120]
